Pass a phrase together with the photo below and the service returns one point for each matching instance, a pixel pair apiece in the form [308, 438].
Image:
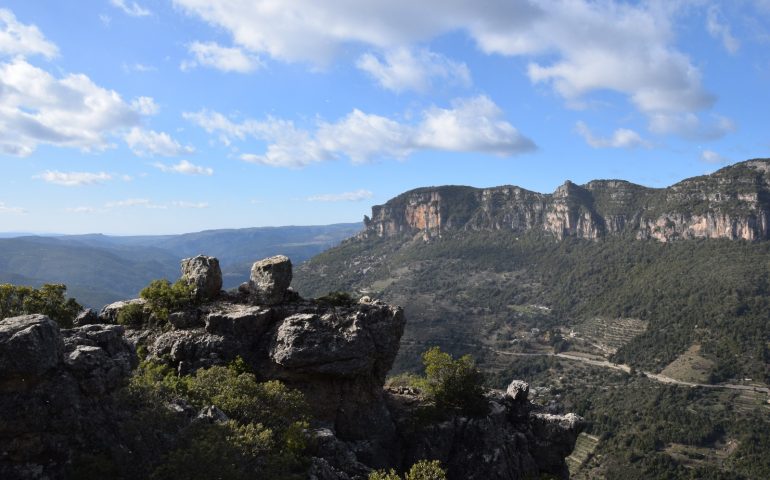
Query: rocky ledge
[54, 383]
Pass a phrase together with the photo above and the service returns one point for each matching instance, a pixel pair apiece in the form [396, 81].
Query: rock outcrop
[58, 384]
[732, 203]
[52, 383]
[204, 275]
[270, 279]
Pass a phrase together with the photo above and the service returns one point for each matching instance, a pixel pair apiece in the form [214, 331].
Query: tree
[50, 300]
[454, 384]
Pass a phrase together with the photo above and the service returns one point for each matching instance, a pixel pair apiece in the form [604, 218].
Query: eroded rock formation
[732, 203]
[57, 384]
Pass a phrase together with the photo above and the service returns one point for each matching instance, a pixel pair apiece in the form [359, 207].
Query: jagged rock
[518, 391]
[239, 320]
[29, 345]
[194, 349]
[189, 318]
[86, 317]
[211, 414]
[204, 275]
[338, 461]
[339, 345]
[109, 313]
[732, 203]
[60, 401]
[270, 278]
[554, 438]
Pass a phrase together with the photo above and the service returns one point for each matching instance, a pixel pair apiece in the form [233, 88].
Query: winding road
[627, 368]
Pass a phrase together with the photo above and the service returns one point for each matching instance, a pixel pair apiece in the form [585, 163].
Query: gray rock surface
[270, 278]
[29, 345]
[109, 313]
[204, 275]
[89, 316]
[518, 391]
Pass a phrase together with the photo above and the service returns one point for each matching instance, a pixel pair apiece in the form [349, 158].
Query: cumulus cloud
[4, 208]
[712, 157]
[19, 39]
[720, 30]
[406, 69]
[226, 59]
[621, 138]
[145, 106]
[471, 125]
[74, 179]
[131, 8]
[71, 111]
[355, 196]
[184, 167]
[575, 46]
[149, 142]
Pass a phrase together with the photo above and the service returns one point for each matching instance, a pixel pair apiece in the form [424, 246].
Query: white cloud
[721, 31]
[83, 210]
[184, 167]
[74, 179]
[621, 138]
[9, 209]
[691, 126]
[226, 59]
[131, 8]
[105, 19]
[355, 196]
[712, 157]
[135, 202]
[19, 39]
[145, 106]
[149, 142]
[138, 67]
[406, 69]
[72, 111]
[471, 125]
[575, 46]
[183, 204]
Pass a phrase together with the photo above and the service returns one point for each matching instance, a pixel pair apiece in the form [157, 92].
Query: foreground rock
[204, 275]
[270, 279]
[52, 386]
[57, 384]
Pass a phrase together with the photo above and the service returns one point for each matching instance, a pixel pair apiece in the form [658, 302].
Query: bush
[422, 470]
[47, 300]
[336, 299]
[132, 315]
[454, 384]
[163, 297]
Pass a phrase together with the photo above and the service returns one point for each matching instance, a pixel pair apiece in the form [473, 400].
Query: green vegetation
[453, 384]
[164, 297]
[477, 292]
[263, 436]
[422, 470]
[336, 299]
[132, 315]
[50, 300]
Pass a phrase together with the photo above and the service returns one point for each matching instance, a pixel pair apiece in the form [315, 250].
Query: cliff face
[732, 203]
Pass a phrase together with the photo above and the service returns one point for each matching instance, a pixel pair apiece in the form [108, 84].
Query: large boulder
[270, 278]
[204, 275]
[29, 345]
[109, 313]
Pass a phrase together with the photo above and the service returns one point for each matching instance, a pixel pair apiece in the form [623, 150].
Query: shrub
[47, 300]
[453, 384]
[336, 299]
[132, 315]
[163, 297]
[422, 470]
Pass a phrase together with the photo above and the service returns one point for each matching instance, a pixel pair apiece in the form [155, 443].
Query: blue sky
[170, 116]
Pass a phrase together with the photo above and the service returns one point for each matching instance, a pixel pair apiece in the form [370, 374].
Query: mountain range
[99, 269]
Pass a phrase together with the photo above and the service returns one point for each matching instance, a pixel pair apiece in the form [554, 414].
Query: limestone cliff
[732, 203]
